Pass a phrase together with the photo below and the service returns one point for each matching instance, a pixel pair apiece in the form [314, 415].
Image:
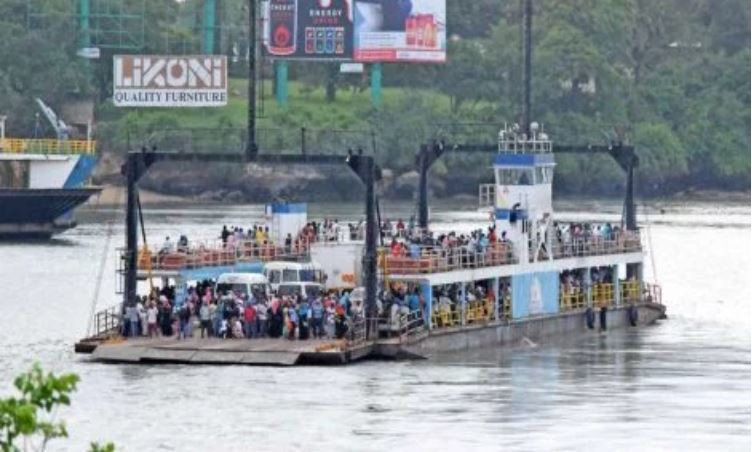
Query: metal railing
[107, 322]
[215, 253]
[595, 246]
[47, 146]
[653, 293]
[572, 298]
[435, 259]
[629, 291]
[407, 325]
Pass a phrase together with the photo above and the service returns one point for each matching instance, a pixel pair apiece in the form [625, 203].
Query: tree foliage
[30, 415]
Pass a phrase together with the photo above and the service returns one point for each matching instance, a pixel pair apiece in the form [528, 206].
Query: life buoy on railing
[604, 311]
[590, 318]
[634, 315]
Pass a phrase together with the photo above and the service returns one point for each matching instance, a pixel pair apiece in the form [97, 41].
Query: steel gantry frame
[624, 155]
[138, 163]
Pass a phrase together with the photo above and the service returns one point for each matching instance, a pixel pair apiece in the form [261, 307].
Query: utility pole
[251, 147]
[210, 9]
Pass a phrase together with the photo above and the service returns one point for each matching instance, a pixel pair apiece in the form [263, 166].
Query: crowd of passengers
[572, 238]
[231, 315]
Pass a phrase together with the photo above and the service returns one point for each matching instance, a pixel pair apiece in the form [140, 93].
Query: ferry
[41, 182]
[536, 280]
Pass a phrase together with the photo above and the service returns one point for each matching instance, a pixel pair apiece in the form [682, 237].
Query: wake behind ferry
[523, 278]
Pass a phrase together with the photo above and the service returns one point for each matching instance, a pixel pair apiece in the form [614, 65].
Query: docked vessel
[41, 182]
[528, 279]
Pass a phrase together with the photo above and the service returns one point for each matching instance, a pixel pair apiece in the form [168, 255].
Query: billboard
[169, 81]
[308, 29]
[400, 31]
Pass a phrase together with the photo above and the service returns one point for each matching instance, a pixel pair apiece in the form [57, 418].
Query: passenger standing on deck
[184, 315]
[141, 316]
[317, 317]
[131, 313]
[292, 322]
[204, 316]
[261, 316]
[303, 320]
[151, 319]
[249, 321]
[225, 234]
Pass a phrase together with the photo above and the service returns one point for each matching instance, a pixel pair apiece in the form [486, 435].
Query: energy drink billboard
[308, 29]
[400, 31]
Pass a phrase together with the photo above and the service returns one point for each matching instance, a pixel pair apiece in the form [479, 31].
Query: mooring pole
[131, 232]
[251, 147]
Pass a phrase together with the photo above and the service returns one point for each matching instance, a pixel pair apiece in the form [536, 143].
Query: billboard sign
[169, 81]
[308, 29]
[400, 31]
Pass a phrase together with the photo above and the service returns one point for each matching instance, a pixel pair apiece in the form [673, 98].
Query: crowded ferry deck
[523, 276]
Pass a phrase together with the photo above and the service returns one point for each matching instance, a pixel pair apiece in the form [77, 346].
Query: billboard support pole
[210, 8]
[281, 88]
[376, 85]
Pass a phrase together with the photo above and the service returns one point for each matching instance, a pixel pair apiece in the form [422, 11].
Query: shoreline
[111, 193]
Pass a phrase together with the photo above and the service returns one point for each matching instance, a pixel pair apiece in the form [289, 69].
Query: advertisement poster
[169, 81]
[308, 29]
[535, 294]
[400, 31]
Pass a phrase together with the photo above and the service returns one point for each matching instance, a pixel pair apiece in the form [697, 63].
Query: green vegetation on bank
[670, 76]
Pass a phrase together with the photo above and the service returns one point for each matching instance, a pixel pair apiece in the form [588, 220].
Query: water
[683, 384]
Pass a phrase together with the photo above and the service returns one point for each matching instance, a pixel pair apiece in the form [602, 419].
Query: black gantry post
[365, 168]
[527, 63]
[369, 259]
[251, 147]
[423, 166]
[131, 231]
[629, 205]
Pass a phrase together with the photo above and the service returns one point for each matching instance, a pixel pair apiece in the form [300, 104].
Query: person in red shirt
[249, 321]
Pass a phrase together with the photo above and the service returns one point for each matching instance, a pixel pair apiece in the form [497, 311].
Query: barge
[536, 280]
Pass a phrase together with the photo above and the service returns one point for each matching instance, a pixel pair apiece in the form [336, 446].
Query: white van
[304, 289]
[281, 272]
[243, 283]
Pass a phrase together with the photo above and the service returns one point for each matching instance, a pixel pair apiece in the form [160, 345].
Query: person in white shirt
[151, 319]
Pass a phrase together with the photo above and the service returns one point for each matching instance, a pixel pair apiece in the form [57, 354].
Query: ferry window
[307, 276]
[274, 277]
[258, 290]
[508, 176]
[525, 177]
[290, 276]
[540, 177]
[289, 290]
[312, 291]
[239, 289]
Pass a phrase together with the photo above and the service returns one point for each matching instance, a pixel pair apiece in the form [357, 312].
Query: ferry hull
[38, 213]
[523, 332]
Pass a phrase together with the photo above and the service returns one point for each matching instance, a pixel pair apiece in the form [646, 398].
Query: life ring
[590, 318]
[634, 315]
[603, 312]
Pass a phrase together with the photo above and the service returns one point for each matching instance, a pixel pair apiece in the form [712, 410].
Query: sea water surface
[683, 384]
